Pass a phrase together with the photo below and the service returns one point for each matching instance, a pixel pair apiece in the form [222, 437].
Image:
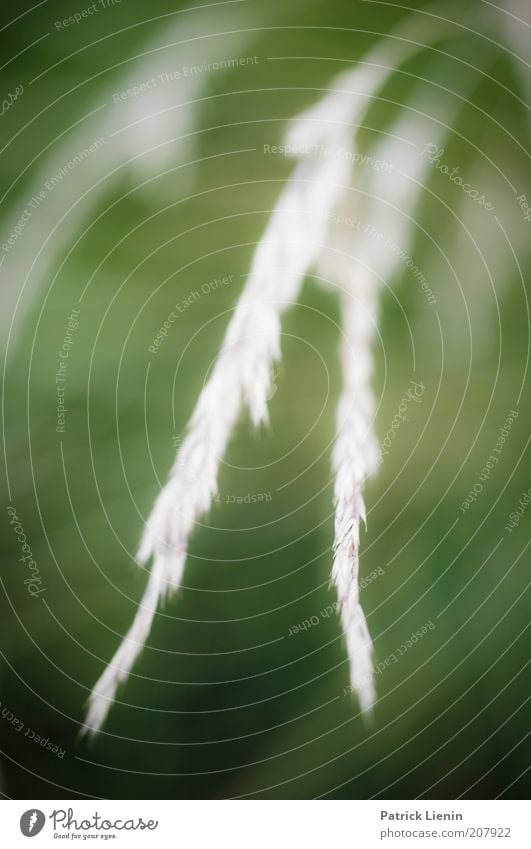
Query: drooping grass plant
[306, 231]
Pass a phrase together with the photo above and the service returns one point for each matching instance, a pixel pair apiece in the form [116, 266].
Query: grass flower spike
[302, 234]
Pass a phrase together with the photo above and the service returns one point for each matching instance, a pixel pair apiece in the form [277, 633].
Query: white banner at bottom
[267, 824]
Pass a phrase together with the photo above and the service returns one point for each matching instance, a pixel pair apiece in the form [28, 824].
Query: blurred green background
[223, 702]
